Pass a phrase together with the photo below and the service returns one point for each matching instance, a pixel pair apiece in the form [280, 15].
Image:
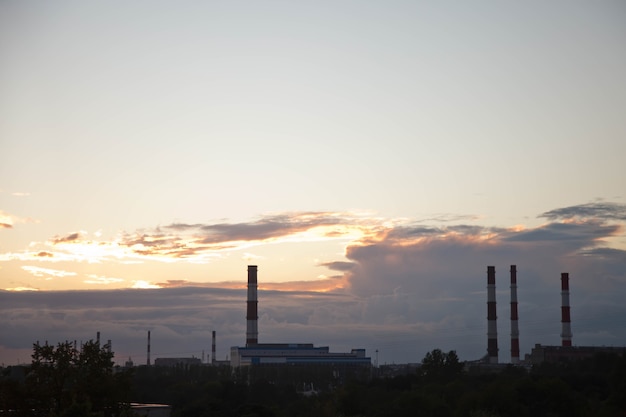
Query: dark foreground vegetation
[66, 381]
[440, 387]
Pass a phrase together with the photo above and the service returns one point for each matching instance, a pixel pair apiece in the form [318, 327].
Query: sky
[372, 158]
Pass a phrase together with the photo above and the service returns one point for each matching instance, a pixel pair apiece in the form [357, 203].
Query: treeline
[440, 387]
[64, 381]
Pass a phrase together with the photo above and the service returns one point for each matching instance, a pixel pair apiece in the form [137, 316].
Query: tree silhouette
[438, 365]
[64, 380]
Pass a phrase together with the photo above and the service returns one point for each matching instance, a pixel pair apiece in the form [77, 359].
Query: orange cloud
[203, 243]
[47, 272]
[101, 280]
[320, 285]
[21, 289]
[73, 237]
[6, 220]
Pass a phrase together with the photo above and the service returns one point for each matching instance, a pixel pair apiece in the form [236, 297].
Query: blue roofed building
[295, 354]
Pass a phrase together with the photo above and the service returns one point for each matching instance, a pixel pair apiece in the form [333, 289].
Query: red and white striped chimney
[566, 330]
[148, 362]
[213, 349]
[514, 327]
[492, 329]
[252, 317]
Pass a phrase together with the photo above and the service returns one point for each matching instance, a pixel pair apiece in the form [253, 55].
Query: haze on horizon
[373, 159]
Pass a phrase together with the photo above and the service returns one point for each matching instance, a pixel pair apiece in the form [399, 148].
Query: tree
[438, 365]
[64, 379]
[51, 375]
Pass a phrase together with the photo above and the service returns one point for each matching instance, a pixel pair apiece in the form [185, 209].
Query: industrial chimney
[566, 330]
[213, 349]
[514, 327]
[252, 317]
[148, 362]
[492, 329]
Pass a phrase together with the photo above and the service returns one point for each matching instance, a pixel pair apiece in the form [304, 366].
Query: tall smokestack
[252, 316]
[213, 349]
[492, 329]
[566, 330]
[98, 338]
[514, 327]
[148, 362]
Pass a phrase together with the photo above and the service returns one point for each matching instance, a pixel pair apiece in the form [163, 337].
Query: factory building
[294, 354]
[255, 353]
[540, 353]
[177, 362]
[556, 354]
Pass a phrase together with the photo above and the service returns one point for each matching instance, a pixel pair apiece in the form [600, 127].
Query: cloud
[580, 233]
[449, 217]
[141, 284]
[175, 283]
[268, 227]
[341, 266]
[597, 210]
[47, 272]
[607, 253]
[6, 220]
[418, 259]
[102, 280]
[318, 285]
[251, 257]
[326, 285]
[181, 319]
[292, 225]
[403, 287]
[18, 289]
[73, 237]
[429, 276]
[201, 243]
[413, 233]
[403, 300]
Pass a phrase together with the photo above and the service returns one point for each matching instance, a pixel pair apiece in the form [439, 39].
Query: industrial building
[174, 362]
[255, 353]
[294, 354]
[565, 352]
[556, 354]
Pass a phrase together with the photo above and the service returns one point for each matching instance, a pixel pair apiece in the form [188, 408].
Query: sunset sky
[372, 158]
